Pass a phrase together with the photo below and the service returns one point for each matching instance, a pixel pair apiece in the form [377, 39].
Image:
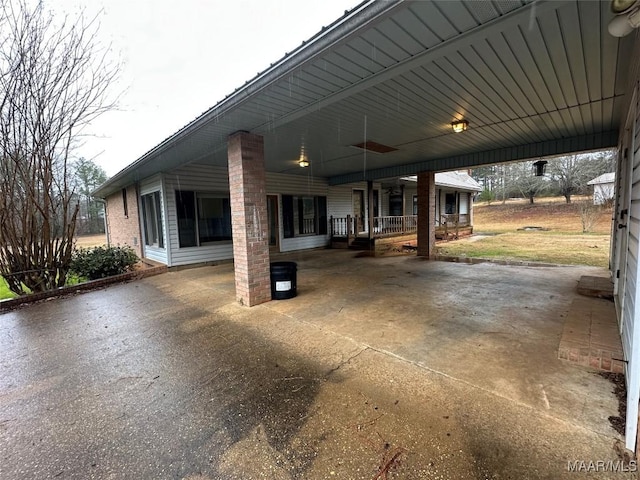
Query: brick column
[426, 214]
[249, 218]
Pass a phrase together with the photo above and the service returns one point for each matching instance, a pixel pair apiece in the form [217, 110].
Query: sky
[179, 58]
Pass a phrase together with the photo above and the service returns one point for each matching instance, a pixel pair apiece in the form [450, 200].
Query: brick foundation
[249, 218]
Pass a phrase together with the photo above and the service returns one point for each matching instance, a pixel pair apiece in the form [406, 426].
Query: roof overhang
[531, 78]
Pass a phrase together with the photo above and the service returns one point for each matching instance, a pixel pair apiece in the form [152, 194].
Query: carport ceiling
[532, 78]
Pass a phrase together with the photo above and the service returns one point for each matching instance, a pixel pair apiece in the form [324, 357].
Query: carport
[375, 95]
[450, 368]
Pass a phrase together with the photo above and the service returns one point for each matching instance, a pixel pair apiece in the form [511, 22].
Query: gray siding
[200, 178]
[281, 184]
[205, 178]
[631, 293]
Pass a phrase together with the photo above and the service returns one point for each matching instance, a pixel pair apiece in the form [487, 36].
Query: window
[415, 204]
[304, 216]
[152, 220]
[450, 203]
[202, 218]
[125, 207]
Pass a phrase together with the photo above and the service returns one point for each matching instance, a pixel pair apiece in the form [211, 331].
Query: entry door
[274, 224]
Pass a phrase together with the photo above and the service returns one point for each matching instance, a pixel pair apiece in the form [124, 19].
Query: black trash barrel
[283, 280]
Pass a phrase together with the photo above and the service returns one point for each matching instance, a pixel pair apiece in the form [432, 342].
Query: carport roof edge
[352, 19]
[368, 66]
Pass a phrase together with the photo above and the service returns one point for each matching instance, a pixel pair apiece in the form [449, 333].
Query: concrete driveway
[380, 368]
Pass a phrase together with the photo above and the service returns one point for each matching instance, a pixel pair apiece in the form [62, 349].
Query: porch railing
[450, 224]
[394, 225]
[356, 226]
[352, 227]
[347, 226]
[462, 219]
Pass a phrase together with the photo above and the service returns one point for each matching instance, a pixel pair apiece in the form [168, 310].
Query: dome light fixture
[627, 17]
[459, 125]
[303, 161]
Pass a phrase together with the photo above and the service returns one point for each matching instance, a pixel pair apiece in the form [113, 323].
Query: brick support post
[249, 218]
[426, 214]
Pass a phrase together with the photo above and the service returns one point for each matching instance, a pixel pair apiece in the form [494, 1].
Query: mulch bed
[618, 423]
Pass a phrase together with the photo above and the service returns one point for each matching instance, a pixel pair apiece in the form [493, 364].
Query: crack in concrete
[365, 347]
[344, 362]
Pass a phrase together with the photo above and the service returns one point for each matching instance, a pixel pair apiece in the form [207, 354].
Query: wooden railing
[347, 226]
[351, 227]
[462, 219]
[450, 223]
[395, 225]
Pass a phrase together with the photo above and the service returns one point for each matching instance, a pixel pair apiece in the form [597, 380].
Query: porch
[353, 231]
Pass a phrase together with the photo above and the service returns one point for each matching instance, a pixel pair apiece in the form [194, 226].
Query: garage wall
[625, 252]
[631, 301]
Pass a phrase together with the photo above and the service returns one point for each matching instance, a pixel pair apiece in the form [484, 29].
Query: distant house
[454, 196]
[603, 188]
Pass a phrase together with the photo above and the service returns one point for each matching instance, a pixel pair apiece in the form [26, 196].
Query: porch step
[590, 336]
[362, 244]
[601, 287]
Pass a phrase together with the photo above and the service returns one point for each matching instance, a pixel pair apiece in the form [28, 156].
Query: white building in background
[604, 188]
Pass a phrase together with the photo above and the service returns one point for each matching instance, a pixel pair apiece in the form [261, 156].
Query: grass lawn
[83, 241]
[562, 241]
[4, 290]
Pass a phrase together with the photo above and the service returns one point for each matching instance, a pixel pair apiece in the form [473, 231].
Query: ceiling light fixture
[459, 125]
[627, 17]
[303, 161]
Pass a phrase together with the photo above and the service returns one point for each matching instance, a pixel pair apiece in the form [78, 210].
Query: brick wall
[247, 185]
[124, 229]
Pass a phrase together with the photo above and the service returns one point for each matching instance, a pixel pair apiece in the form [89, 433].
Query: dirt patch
[535, 229]
[87, 241]
[618, 423]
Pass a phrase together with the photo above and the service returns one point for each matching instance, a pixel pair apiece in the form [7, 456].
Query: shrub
[486, 196]
[100, 262]
[589, 214]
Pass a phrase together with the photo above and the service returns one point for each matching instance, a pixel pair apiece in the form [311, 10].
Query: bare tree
[54, 80]
[526, 182]
[572, 172]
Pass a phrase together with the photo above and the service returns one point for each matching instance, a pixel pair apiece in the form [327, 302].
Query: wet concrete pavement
[380, 368]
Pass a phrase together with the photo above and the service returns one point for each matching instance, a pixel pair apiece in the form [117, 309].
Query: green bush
[486, 196]
[100, 262]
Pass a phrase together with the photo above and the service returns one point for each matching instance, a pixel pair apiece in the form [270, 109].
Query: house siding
[205, 178]
[199, 178]
[282, 184]
[124, 229]
[625, 250]
[631, 302]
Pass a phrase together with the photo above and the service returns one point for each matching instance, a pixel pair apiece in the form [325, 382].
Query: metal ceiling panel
[397, 73]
